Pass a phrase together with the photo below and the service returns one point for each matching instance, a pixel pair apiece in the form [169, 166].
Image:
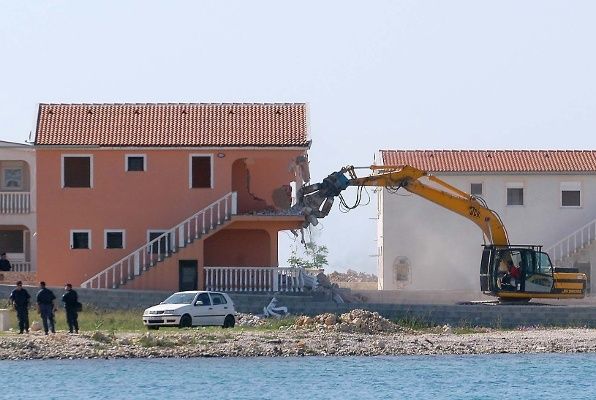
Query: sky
[376, 75]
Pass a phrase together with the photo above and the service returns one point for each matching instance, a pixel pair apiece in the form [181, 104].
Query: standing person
[4, 263]
[19, 298]
[71, 302]
[45, 306]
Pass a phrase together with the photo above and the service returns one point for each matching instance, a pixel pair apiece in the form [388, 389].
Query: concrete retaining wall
[501, 316]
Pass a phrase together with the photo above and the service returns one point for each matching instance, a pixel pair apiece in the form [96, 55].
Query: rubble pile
[368, 322]
[250, 320]
[352, 276]
[327, 319]
[292, 211]
[355, 321]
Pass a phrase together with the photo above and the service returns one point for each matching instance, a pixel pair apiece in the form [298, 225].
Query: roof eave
[180, 147]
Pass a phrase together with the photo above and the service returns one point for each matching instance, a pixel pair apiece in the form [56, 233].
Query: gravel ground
[355, 333]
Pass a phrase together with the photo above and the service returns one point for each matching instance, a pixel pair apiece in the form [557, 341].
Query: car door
[203, 310]
[221, 308]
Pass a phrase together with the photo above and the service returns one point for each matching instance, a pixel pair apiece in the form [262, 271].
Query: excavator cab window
[544, 265]
[507, 269]
[499, 268]
[486, 283]
[538, 275]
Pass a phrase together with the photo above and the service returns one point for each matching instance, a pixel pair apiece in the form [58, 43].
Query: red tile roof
[493, 160]
[169, 125]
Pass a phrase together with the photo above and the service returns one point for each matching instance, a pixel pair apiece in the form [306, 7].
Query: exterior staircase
[153, 253]
[564, 251]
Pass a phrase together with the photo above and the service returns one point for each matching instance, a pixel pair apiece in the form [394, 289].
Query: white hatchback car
[193, 308]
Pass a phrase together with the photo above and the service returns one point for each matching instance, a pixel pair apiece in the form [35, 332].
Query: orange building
[150, 196]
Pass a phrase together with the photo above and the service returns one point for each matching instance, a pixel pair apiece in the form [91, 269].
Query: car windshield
[179, 298]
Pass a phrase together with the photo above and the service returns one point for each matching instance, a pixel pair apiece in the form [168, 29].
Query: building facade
[147, 196]
[543, 197]
[18, 205]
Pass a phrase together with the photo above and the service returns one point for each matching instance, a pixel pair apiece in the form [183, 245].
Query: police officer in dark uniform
[45, 306]
[19, 297]
[71, 303]
[4, 263]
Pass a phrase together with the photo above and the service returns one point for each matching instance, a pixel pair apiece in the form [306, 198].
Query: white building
[17, 205]
[543, 197]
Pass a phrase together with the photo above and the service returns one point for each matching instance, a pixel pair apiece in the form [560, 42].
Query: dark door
[188, 277]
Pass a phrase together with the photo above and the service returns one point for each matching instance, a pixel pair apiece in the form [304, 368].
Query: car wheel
[185, 321]
[152, 327]
[229, 322]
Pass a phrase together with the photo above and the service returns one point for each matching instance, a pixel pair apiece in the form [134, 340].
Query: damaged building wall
[247, 201]
[264, 183]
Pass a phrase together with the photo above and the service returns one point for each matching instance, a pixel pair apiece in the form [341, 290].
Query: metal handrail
[572, 242]
[151, 253]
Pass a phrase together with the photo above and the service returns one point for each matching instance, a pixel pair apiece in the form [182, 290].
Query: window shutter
[201, 172]
[77, 172]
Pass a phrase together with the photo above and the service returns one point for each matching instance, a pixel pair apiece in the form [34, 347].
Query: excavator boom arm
[318, 198]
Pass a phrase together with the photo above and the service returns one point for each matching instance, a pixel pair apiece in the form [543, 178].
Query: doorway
[188, 275]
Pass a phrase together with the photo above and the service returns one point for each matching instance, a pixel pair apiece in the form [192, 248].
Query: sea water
[526, 376]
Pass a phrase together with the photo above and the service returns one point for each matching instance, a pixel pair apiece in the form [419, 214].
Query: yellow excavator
[509, 272]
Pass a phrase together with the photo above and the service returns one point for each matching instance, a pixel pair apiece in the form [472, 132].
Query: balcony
[15, 202]
[258, 279]
[21, 271]
[21, 266]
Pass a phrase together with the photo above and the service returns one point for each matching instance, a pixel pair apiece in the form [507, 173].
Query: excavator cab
[525, 272]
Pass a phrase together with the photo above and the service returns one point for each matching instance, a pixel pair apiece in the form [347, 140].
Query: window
[476, 189]
[77, 171]
[570, 194]
[218, 299]
[200, 171]
[136, 162]
[544, 265]
[164, 242]
[12, 178]
[80, 239]
[114, 239]
[515, 194]
[203, 300]
[11, 241]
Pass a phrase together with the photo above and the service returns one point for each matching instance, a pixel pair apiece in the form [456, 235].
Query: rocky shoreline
[358, 333]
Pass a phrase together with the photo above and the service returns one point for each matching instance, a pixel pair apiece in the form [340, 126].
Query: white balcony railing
[164, 245]
[20, 266]
[254, 279]
[15, 202]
